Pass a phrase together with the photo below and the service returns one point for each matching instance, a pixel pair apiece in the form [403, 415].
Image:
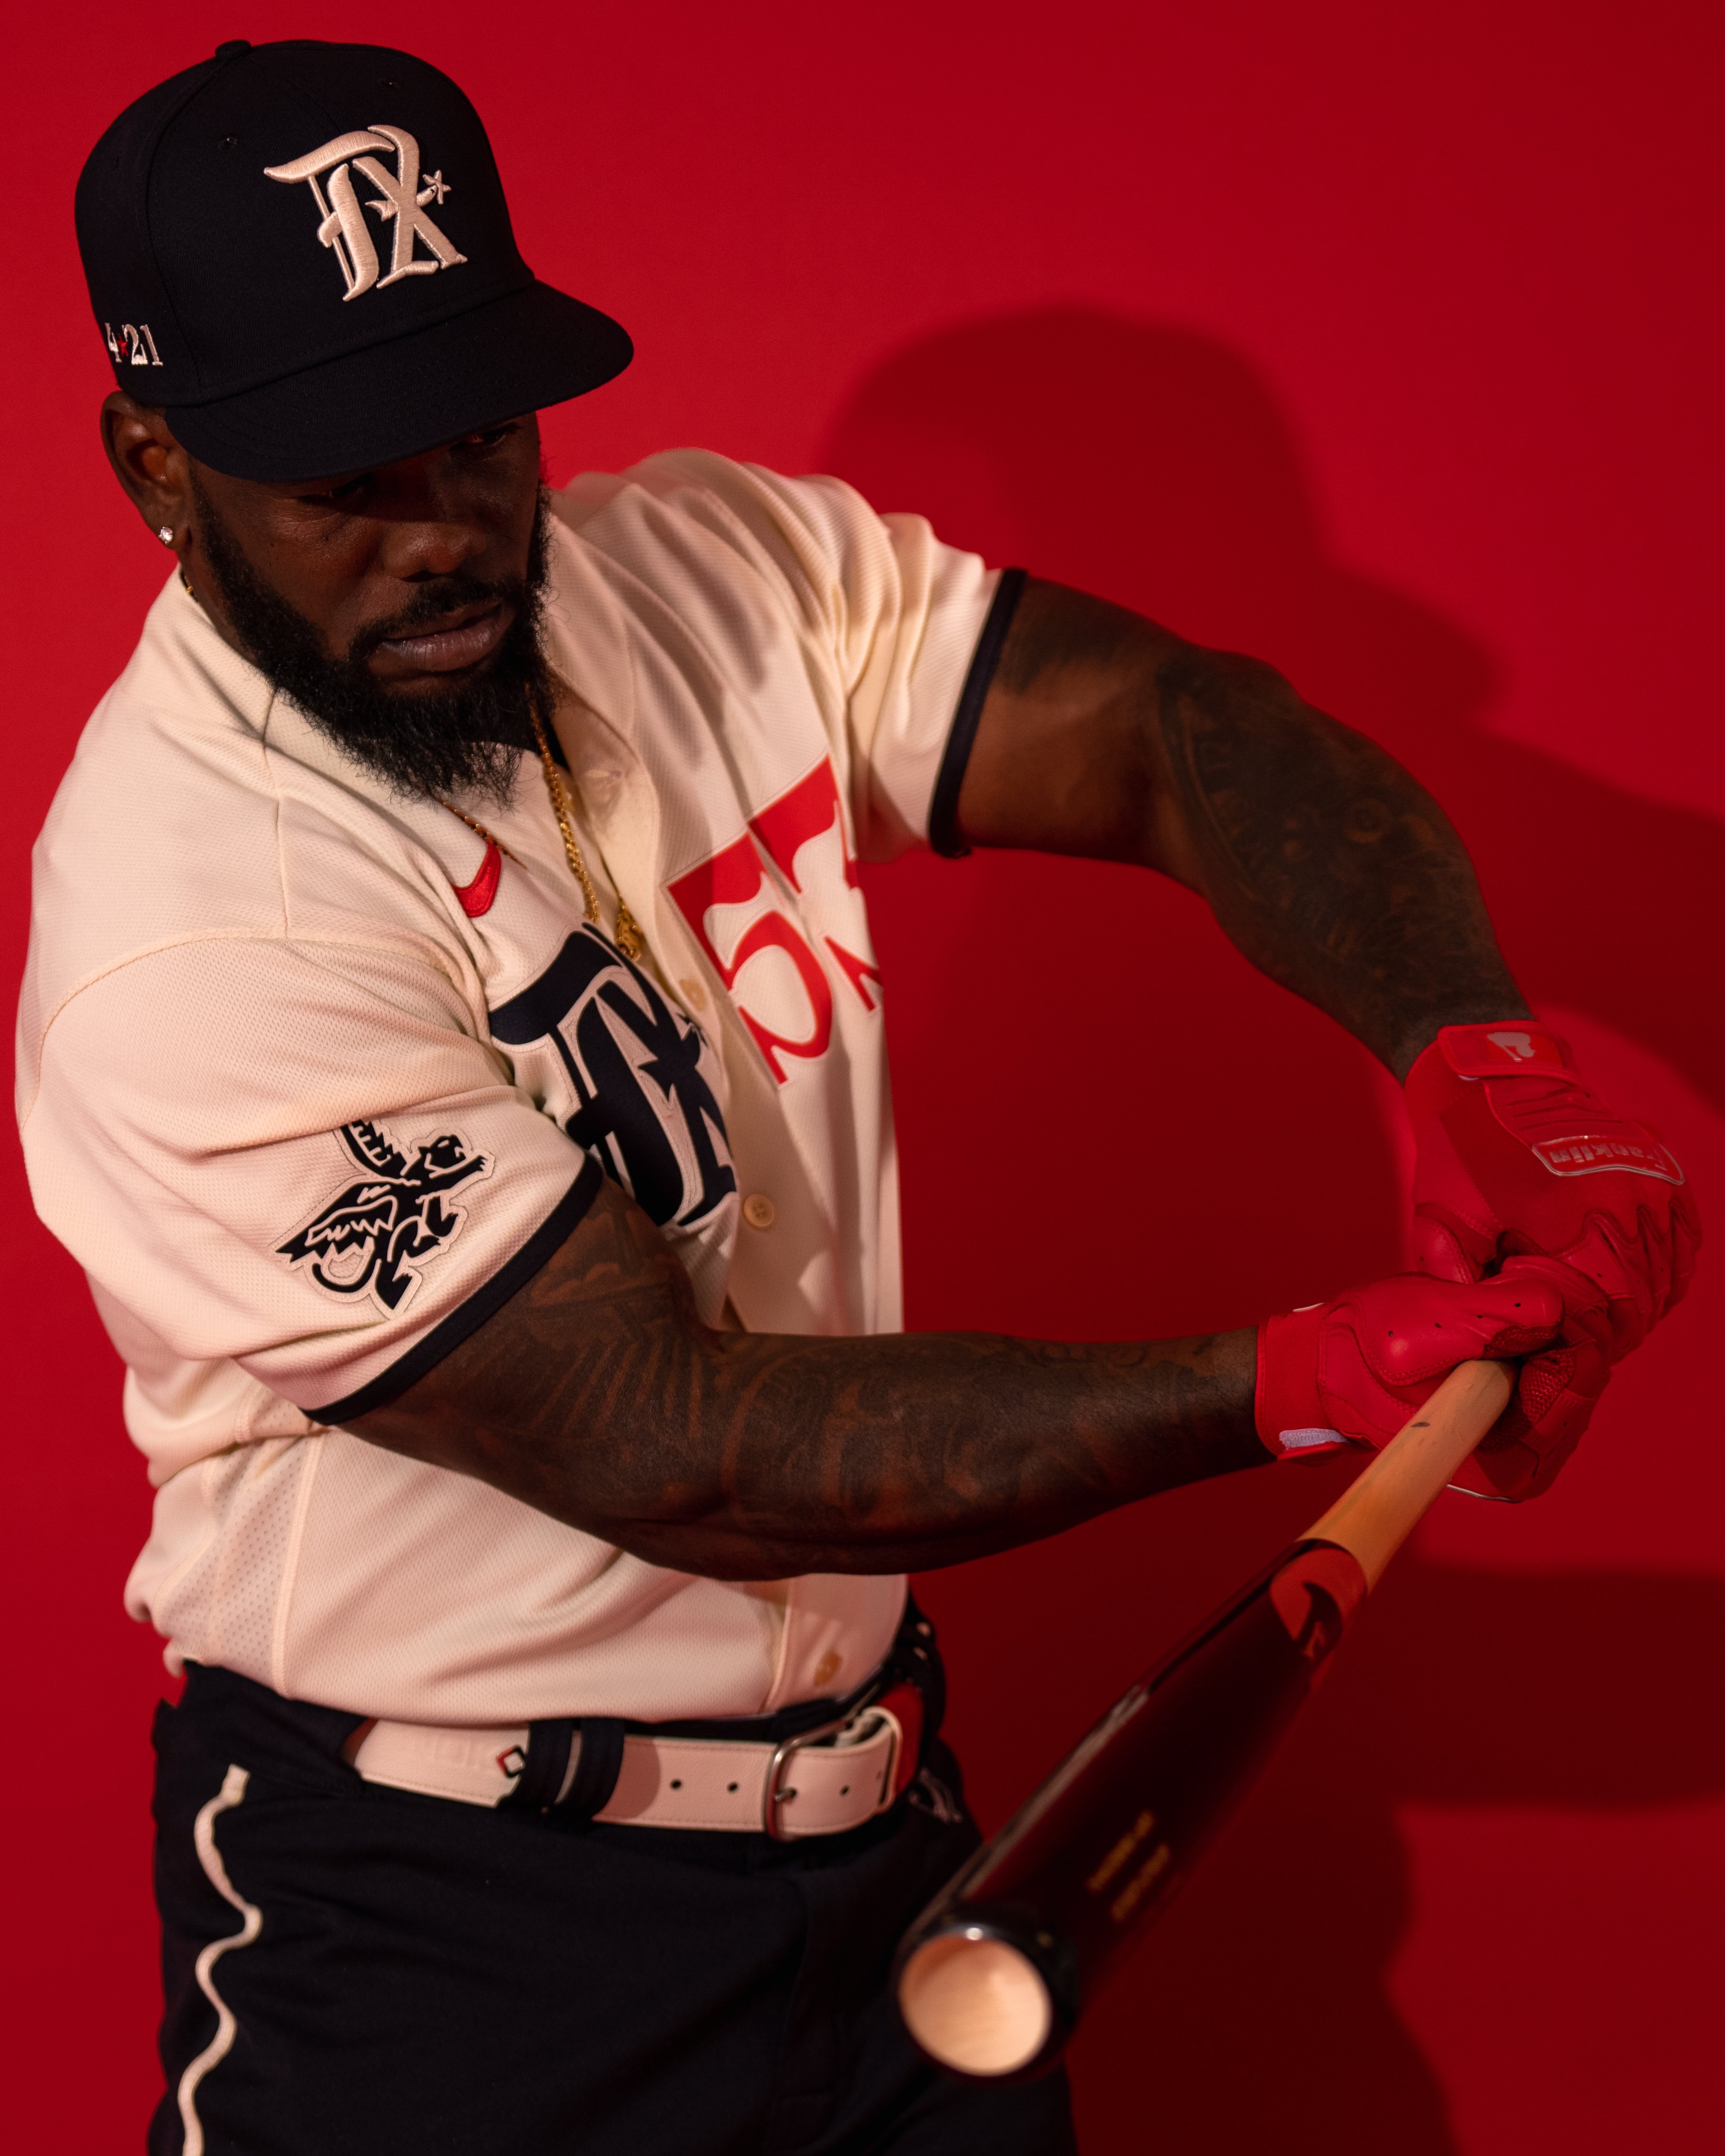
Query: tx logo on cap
[344, 230]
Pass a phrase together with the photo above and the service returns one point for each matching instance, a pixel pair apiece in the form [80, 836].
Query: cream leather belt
[825, 1781]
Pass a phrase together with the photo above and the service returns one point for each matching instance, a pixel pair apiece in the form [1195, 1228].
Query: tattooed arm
[597, 1395]
[1329, 867]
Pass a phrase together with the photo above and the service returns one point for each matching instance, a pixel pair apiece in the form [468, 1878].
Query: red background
[1383, 342]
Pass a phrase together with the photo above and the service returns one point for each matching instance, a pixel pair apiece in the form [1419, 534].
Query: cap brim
[531, 348]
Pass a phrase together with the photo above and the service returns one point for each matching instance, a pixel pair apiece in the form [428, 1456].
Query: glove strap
[1502, 1051]
[1460, 1053]
[1289, 1413]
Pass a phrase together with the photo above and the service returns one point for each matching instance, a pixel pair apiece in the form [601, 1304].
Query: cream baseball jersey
[312, 1078]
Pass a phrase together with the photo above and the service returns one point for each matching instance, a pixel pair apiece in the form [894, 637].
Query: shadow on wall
[1110, 1125]
[1152, 465]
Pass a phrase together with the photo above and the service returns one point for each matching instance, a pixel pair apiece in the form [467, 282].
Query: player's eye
[348, 490]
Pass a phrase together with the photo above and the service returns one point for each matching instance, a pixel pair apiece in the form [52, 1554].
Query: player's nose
[413, 549]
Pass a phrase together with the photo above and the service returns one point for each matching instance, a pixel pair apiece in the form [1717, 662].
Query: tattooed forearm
[1329, 867]
[599, 1396]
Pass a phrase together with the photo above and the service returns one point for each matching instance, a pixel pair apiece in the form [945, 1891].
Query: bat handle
[1378, 1511]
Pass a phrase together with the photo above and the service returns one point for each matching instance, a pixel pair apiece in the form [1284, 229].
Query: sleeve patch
[375, 1236]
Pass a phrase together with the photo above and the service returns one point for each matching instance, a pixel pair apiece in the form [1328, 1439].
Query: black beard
[465, 740]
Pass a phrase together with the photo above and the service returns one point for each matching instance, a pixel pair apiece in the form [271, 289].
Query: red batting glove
[1517, 1157]
[1356, 1369]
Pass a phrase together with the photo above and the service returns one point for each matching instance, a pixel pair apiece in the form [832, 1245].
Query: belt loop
[917, 1656]
[542, 1771]
[599, 1762]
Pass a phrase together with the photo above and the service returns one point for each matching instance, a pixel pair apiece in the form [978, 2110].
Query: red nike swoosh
[475, 897]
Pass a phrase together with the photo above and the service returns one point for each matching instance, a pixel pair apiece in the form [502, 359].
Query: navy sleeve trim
[944, 808]
[449, 1332]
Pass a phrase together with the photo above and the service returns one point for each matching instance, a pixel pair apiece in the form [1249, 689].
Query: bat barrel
[994, 1976]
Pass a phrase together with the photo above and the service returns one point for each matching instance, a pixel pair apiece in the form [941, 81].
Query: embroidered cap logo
[343, 229]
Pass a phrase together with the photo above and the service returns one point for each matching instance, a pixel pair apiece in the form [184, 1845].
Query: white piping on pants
[203, 1837]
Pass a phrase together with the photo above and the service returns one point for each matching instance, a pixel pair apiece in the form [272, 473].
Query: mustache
[460, 589]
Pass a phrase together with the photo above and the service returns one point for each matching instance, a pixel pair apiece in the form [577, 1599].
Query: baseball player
[453, 1045]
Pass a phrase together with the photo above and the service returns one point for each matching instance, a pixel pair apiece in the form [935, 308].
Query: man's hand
[1358, 1367]
[1517, 1157]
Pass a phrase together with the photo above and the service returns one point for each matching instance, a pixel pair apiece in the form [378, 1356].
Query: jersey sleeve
[297, 1155]
[896, 616]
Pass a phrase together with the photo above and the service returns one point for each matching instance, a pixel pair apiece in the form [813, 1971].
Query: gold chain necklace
[474, 824]
[627, 938]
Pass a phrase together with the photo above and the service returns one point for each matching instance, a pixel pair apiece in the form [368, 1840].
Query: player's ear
[148, 463]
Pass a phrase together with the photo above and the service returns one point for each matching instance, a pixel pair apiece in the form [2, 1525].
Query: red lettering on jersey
[732, 878]
[784, 827]
[857, 971]
[737, 875]
[808, 811]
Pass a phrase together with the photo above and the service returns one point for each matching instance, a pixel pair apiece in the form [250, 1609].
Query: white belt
[824, 1782]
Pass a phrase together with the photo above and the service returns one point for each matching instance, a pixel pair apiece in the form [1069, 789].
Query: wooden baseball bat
[993, 1977]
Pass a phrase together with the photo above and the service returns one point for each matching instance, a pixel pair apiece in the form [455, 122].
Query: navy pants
[356, 1971]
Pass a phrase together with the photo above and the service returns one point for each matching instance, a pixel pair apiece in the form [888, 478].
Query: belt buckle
[777, 1796]
[782, 1755]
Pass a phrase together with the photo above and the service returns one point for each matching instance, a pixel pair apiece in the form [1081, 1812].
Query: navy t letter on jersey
[645, 1107]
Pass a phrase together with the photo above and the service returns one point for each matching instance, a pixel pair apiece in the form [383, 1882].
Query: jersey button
[693, 993]
[759, 1210]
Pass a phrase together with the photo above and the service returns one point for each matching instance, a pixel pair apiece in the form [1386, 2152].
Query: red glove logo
[1512, 1046]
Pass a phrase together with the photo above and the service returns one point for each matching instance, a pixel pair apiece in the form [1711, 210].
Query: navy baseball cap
[302, 251]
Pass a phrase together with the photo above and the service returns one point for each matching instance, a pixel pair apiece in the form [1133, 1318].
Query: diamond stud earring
[165, 534]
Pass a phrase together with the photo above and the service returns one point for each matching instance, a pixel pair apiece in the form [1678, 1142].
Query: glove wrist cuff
[1286, 1405]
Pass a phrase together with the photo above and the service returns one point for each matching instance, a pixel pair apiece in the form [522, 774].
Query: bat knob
[975, 2003]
